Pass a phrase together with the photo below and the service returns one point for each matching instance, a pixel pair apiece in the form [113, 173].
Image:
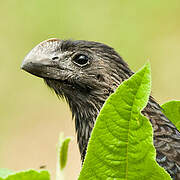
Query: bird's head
[76, 69]
[85, 73]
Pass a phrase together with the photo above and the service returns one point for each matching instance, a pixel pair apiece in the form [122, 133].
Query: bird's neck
[84, 112]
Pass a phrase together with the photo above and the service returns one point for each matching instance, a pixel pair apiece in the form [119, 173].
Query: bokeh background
[31, 116]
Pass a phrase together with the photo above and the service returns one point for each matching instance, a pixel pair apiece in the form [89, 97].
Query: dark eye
[81, 60]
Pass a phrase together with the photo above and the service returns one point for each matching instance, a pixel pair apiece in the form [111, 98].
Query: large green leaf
[24, 175]
[121, 144]
[172, 111]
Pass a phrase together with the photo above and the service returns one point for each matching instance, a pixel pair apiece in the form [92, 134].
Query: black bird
[85, 73]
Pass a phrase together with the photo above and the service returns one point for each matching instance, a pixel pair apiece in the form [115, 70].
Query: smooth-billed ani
[85, 73]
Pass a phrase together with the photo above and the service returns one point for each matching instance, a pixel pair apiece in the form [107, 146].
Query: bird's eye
[81, 60]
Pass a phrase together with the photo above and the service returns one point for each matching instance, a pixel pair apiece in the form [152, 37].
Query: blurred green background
[31, 117]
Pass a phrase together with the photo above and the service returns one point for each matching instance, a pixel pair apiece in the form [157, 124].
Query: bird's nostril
[55, 58]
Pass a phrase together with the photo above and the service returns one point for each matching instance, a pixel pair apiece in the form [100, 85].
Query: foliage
[6, 174]
[172, 111]
[62, 156]
[121, 144]
[24, 175]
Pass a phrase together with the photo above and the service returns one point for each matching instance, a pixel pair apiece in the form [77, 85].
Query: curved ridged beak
[38, 61]
[36, 66]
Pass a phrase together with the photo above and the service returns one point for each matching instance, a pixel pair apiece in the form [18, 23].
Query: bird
[85, 74]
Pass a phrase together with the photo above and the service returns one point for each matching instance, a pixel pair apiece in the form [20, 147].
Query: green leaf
[26, 175]
[62, 155]
[121, 144]
[172, 111]
[5, 172]
[63, 151]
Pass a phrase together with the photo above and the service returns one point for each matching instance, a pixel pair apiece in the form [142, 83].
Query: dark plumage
[85, 73]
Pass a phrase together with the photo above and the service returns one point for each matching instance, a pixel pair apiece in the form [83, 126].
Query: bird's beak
[38, 63]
